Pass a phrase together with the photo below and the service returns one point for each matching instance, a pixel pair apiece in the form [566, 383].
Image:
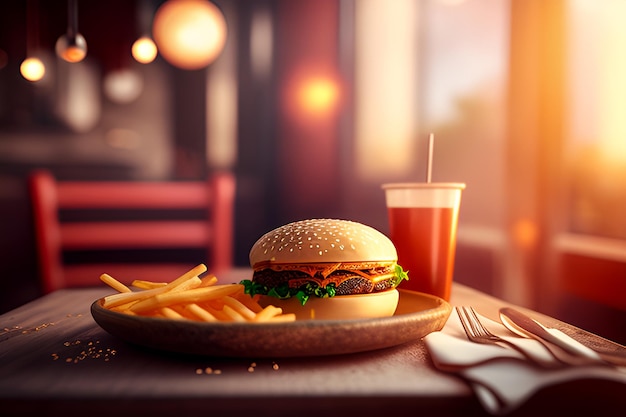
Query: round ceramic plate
[417, 315]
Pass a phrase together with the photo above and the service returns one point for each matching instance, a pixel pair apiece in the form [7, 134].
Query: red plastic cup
[423, 221]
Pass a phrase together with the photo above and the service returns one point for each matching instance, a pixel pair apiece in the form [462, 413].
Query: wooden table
[56, 360]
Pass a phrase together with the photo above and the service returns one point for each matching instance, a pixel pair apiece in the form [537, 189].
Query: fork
[478, 333]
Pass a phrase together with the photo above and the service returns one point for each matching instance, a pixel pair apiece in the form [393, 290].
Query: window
[595, 143]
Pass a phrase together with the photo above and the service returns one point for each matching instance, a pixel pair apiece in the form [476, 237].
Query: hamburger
[326, 268]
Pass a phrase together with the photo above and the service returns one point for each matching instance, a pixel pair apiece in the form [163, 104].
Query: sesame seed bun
[322, 240]
[323, 262]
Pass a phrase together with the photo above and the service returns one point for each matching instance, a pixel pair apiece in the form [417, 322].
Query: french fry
[194, 295]
[218, 313]
[251, 302]
[200, 313]
[113, 283]
[191, 283]
[208, 281]
[194, 272]
[124, 307]
[147, 285]
[190, 297]
[241, 309]
[184, 313]
[123, 298]
[268, 312]
[233, 314]
[171, 313]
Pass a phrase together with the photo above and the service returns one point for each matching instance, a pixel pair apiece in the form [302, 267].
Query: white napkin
[502, 378]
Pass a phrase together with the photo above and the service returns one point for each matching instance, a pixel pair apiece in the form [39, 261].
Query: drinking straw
[429, 167]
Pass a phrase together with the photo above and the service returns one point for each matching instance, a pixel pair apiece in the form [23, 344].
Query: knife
[523, 325]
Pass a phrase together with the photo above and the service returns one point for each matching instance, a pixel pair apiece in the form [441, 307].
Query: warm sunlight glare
[451, 2]
[386, 74]
[598, 73]
[613, 89]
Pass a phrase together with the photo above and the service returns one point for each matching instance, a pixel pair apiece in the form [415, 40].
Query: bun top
[323, 240]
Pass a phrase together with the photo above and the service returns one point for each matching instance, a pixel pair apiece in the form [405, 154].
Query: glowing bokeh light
[525, 233]
[32, 69]
[312, 94]
[123, 86]
[318, 95]
[144, 50]
[190, 34]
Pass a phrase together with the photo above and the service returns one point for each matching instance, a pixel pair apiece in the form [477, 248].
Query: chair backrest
[172, 216]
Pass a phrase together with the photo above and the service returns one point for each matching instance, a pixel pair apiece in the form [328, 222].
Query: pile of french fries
[190, 297]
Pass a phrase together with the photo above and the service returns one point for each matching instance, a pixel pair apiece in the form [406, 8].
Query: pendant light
[144, 50]
[72, 47]
[32, 68]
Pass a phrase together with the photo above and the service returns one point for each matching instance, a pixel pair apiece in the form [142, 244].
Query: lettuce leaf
[400, 275]
[283, 291]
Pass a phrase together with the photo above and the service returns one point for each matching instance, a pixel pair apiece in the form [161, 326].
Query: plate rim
[441, 310]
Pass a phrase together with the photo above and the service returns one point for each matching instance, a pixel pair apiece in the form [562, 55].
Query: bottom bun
[340, 307]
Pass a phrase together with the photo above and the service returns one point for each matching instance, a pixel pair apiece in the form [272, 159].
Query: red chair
[55, 235]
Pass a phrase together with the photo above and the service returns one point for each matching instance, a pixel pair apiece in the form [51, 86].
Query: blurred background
[313, 104]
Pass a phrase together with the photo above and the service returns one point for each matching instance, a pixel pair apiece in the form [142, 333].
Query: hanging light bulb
[32, 69]
[72, 46]
[144, 50]
[190, 34]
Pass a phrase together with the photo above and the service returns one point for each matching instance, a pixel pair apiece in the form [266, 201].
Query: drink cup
[423, 220]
